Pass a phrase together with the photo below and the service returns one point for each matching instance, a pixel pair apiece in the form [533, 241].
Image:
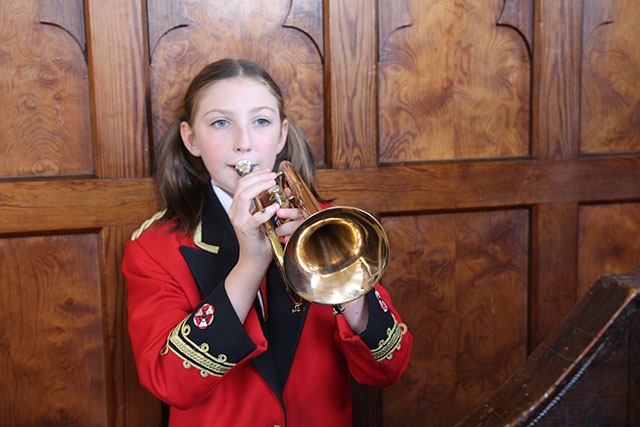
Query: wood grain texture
[518, 14]
[66, 14]
[351, 78]
[554, 267]
[230, 30]
[307, 16]
[117, 76]
[163, 16]
[460, 281]
[455, 186]
[393, 15]
[126, 395]
[556, 80]
[51, 332]
[73, 205]
[608, 241]
[610, 85]
[582, 373]
[45, 126]
[454, 85]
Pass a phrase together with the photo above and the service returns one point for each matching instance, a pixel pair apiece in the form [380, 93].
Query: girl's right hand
[253, 242]
[256, 253]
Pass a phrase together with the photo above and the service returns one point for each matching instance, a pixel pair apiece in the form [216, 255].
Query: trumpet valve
[277, 194]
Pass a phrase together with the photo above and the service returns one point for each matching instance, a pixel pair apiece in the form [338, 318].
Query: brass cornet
[335, 256]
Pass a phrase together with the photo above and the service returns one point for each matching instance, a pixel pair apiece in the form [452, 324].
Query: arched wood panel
[453, 84]
[45, 93]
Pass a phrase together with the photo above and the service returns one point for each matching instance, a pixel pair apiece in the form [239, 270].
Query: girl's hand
[254, 244]
[293, 217]
[256, 254]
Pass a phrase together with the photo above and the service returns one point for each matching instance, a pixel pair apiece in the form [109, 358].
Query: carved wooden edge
[596, 13]
[393, 15]
[562, 357]
[306, 16]
[163, 16]
[67, 15]
[518, 14]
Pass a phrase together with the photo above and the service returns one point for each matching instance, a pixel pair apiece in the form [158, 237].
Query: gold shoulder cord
[156, 216]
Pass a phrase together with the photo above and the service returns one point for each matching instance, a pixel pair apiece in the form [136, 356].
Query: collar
[217, 245]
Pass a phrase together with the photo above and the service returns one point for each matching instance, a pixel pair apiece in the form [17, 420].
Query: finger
[252, 186]
[287, 228]
[290, 213]
[266, 213]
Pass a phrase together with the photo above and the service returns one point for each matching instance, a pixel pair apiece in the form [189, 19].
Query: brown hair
[181, 179]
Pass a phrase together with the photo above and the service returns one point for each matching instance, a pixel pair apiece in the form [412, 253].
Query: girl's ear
[186, 132]
[284, 131]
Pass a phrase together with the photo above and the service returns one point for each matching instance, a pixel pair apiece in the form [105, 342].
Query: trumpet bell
[336, 255]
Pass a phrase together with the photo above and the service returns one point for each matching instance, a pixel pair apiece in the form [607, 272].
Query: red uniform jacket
[278, 368]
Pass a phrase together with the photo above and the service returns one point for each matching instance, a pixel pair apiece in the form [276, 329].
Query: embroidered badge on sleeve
[383, 304]
[193, 354]
[204, 316]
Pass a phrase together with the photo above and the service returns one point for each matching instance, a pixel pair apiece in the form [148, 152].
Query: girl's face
[235, 119]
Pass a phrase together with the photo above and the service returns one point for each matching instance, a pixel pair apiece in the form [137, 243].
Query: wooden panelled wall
[498, 140]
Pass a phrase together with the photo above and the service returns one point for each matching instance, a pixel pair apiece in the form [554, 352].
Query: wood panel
[610, 86]
[46, 127]
[350, 75]
[118, 73]
[52, 333]
[453, 84]
[609, 241]
[463, 279]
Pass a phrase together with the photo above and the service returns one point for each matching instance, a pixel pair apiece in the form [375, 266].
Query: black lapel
[210, 269]
[285, 326]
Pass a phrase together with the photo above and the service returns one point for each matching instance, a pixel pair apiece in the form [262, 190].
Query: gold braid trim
[387, 346]
[156, 216]
[193, 354]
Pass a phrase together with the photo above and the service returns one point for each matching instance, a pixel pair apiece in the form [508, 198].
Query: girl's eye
[220, 123]
[262, 122]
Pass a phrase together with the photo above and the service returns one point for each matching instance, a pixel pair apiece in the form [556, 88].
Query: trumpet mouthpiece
[244, 167]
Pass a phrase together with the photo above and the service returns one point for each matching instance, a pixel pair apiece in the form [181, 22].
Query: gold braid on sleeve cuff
[387, 346]
[194, 355]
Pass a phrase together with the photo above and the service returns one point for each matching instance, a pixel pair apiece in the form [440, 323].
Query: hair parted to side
[181, 179]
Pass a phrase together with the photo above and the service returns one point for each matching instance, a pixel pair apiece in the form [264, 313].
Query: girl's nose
[242, 141]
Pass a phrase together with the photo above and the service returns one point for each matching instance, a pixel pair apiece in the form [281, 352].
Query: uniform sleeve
[182, 352]
[380, 354]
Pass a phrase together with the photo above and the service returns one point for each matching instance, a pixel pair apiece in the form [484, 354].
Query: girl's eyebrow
[229, 112]
[265, 107]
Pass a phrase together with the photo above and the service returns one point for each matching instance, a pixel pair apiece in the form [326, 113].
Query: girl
[210, 320]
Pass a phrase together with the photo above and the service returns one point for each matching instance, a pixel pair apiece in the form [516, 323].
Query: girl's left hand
[294, 217]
